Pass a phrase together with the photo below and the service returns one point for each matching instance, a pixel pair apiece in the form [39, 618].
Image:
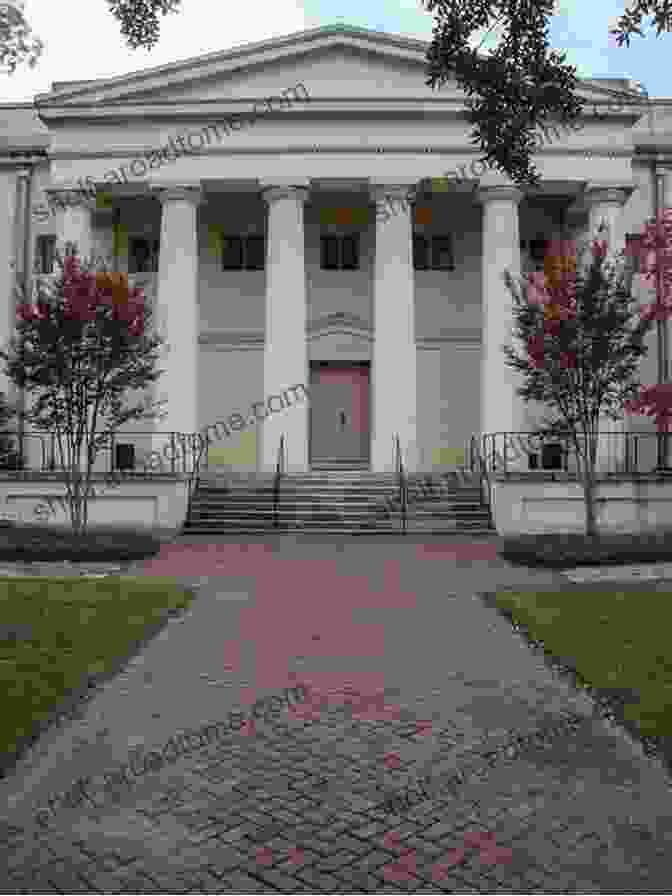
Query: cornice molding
[230, 340]
[462, 153]
[465, 338]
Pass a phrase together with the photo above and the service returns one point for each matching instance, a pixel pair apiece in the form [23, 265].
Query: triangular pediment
[333, 62]
[337, 61]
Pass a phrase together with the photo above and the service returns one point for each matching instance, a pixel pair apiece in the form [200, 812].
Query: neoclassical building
[301, 237]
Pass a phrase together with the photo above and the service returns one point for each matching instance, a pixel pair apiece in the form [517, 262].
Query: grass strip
[61, 637]
[614, 643]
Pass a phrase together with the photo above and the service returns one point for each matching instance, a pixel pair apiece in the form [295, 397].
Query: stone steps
[338, 501]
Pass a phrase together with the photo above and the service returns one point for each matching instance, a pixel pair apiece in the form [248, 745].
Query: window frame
[339, 241]
[426, 249]
[152, 258]
[243, 241]
[43, 240]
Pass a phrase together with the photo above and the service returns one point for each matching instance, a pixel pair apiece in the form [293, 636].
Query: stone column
[394, 368]
[501, 408]
[177, 309]
[605, 222]
[73, 225]
[8, 257]
[285, 348]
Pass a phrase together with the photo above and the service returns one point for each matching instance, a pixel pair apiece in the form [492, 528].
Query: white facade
[405, 352]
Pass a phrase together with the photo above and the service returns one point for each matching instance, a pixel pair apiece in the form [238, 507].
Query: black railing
[279, 470]
[403, 485]
[133, 453]
[555, 454]
[192, 482]
[477, 464]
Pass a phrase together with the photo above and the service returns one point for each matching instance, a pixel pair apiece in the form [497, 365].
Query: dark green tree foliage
[140, 19]
[522, 85]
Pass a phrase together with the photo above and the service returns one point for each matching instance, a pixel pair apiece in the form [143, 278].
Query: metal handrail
[476, 459]
[279, 470]
[403, 486]
[194, 475]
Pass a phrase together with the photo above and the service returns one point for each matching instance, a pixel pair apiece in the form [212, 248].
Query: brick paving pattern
[548, 800]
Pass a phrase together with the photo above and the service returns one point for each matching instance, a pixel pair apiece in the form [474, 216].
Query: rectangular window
[255, 251]
[339, 253]
[329, 260]
[232, 254]
[350, 253]
[143, 256]
[632, 251]
[243, 253]
[442, 254]
[45, 252]
[420, 253]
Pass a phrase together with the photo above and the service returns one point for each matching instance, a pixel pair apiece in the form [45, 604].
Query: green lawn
[614, 640]
[60, 635]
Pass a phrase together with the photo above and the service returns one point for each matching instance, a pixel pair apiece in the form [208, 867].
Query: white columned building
[277, 239]
[285, 349]
[394, 375]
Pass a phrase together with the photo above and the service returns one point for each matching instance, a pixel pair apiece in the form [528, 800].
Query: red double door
[339, 412]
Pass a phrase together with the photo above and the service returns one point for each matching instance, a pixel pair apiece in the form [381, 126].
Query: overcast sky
[83, 39]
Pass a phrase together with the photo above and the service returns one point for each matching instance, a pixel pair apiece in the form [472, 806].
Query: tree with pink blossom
[79, 350]
[654, 248]
[581, 339]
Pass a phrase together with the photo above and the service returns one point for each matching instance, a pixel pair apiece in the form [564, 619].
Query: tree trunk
[589, 486]
[589, 501]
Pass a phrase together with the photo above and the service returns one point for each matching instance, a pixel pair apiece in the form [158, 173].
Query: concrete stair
[343, 501]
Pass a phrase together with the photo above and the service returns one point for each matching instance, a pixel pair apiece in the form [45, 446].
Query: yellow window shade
[235, 451]
[216, 239]
[448, 457]
[119, 240]
[423, 214]
[440, 184]
[103, 200]
[344, 217]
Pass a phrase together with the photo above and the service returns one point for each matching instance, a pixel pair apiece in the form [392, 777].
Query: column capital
[179, 193]
[70, 197]
[400, 192]
[499, 193]
[275, 192]
[603, 194]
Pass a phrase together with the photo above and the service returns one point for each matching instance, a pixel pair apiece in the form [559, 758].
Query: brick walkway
[547, 798]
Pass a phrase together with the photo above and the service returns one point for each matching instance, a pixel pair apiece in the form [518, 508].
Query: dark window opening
[339, 253]
[143, 256]
[442, 253]
[244, 253]
[45, 254]
[420, 253]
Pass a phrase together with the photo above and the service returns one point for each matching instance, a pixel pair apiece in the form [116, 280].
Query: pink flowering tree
[654, 247]
[79, 351]
[581, 339]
